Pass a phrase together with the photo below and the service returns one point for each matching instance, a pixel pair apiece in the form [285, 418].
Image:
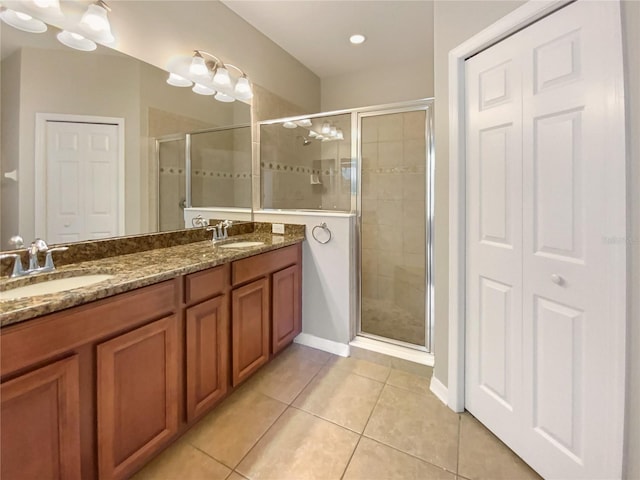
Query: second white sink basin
[241, 244]
[53, 286]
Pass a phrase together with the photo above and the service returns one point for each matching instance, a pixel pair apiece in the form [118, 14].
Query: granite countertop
[134, 270]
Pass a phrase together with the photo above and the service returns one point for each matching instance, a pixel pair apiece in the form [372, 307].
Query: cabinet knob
[557, 279]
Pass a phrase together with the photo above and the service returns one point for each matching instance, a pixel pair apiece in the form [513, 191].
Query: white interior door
[545, 344]
[82, 193]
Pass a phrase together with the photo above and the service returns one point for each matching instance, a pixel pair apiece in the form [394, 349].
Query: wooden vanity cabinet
[207, 339]
[265, 307]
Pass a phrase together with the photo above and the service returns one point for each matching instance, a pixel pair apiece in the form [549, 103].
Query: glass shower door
[393, 212]
[171, 183]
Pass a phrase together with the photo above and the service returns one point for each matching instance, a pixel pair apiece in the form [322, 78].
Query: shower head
[305, 141]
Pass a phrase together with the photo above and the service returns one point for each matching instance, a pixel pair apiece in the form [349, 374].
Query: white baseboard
[439, 390]
[322, 344]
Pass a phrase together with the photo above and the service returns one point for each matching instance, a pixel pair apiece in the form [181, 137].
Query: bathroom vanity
[100, 387]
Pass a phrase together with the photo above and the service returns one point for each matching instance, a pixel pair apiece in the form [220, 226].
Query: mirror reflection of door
[83, 197]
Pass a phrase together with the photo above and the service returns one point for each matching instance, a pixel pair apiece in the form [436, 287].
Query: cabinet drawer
[206, 284]
[261, 265]
[34, 341]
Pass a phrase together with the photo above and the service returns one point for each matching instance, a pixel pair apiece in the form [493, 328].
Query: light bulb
[198, 65]
[96, 18]
[243, 88]
[223, 97]
[326, 129]
[202, 90]
[333, 131]
[178, 81]
[221, 77]
[357, 39]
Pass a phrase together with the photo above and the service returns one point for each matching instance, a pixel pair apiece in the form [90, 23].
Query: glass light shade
[243, 88]
[77, 41]
[198, 65]
[178, 81]
[339, 135]
[223, 97]
[22, 21]
[305, 122]
[289, 125]
[202, 90]
[312, 134]
[333, 131]
[46, 3]
[96, 18]
[221, 77]
[326, 129]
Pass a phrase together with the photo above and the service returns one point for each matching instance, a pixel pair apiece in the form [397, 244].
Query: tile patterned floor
[313, 415]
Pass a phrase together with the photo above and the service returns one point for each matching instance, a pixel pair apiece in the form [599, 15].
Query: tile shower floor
[313, 415]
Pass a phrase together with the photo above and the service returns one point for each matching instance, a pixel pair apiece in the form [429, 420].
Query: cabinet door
[285, 307]
[207, 355]
[137, 396]
[250, 328]
[40, 423]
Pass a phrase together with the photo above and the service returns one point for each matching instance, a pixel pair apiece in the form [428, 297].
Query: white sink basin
[241, 244]
[53, 286]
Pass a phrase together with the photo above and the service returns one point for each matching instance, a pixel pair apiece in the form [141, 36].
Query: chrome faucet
[38, 245]
[220, 231]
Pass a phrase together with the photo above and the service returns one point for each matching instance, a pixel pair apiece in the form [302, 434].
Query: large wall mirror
[91, 135]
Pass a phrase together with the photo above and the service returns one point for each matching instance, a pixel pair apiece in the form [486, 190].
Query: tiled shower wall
[305, 177]
[393, 226]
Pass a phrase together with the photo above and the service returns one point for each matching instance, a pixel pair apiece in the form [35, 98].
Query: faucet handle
[16, 241]
[215, 232]
[48, 263]
[17, 263]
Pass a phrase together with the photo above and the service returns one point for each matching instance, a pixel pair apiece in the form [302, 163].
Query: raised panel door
[137, 396]
[286, 318]
[249, 328]
[207, 355]
[40, 423]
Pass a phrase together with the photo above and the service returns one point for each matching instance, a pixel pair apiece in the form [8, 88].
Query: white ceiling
[316, 32]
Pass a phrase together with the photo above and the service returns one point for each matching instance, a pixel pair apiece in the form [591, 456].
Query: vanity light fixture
[326, 129]
[203, 90]
[210, 75]
[22, 21]
[178, 81]
[305, 122]
[198, 65]
[77, 41]
[34, 16]
[289, 125]
[223, 97]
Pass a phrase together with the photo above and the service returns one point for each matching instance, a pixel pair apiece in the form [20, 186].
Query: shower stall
[377, 163]
[208, 168]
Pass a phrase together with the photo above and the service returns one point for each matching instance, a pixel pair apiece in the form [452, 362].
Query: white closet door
[574, 199]
[82, 181]
[553, 304]
[494, 238]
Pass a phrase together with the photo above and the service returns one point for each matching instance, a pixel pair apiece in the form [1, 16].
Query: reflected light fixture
[76, 41]
[326, 129]
[178, 81]
[289, 125]
[357, 39]
[50, 8]
[211, 76]
[22, 21]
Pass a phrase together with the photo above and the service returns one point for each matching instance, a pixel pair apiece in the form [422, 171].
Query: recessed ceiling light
[357, 39]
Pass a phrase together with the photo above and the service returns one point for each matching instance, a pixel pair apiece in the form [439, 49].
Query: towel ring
[324, 227]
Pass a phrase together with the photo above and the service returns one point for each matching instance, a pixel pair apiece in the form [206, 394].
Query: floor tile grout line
[325, 419]
[440, 467]
[351, 457]
[373, 409]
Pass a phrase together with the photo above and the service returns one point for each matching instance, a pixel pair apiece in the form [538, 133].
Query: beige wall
[631, 39]
[455, 22]
[156, 31]
[385, 83]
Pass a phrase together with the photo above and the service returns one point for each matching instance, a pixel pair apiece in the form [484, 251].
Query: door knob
[557, 279]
